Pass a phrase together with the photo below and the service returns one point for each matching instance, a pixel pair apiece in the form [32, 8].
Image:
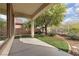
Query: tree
[27, 24]
[53, 16]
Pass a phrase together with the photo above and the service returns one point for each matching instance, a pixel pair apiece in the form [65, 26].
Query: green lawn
[54, 41]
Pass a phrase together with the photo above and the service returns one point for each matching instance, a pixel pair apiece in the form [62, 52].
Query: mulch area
[74, 46]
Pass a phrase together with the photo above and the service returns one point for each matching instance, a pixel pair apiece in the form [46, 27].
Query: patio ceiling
[29, 10]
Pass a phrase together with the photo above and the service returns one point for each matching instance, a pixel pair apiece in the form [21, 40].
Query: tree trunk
[45, 29]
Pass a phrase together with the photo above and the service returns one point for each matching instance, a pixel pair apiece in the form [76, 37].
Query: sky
[17, 19]
[72, 13]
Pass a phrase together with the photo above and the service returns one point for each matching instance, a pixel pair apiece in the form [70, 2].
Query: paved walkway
[34, 47]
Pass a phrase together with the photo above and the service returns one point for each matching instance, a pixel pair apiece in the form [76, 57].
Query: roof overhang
[29, 10]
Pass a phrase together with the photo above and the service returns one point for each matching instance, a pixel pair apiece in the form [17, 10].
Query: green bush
[73, 36]
[51, 34]
[17, 37]
[39, 35]
[22, 36]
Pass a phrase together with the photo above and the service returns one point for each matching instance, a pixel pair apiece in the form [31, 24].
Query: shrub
[51, 33]
[17, 37]
[73, 36]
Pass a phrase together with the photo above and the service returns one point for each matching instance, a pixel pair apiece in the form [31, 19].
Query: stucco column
[32, 28]
[10, 20]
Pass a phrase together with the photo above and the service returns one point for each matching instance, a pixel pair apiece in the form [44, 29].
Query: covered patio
[34, 47]
[26, 46]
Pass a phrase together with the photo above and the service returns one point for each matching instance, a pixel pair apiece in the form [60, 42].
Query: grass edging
[67, 43]
[55, 41]
[69, 46]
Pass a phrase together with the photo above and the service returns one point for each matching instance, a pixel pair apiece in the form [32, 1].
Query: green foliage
[1, 26]
[27, 25]
[53, 16]
[73, 36]
[72, 27]
[1, 23]
[75, 30]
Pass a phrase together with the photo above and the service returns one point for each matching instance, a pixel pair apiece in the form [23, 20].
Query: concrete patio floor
[34, 47]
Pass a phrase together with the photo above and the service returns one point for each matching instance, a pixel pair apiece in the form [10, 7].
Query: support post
[32, 28]
[10, 20]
